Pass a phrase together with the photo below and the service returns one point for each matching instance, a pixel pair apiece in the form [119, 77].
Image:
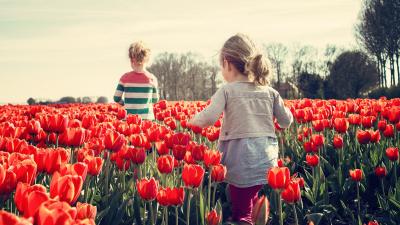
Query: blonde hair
[139, 52]
[242, 52]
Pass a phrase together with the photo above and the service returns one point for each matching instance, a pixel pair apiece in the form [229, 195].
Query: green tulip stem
[209, 189]
[188, 208]
[56, 140]
[395, 175]
[279, 208]
[166, 215]
[176, 216]
[295, 214]
[214, 191]
[358, 203]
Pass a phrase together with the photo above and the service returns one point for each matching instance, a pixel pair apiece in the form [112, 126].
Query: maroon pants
[243, 200]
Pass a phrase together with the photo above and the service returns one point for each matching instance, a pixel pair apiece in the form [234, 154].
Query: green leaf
[395, 202]
[202, 208]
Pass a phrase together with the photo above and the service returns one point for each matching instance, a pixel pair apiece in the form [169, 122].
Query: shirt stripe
[139, 91]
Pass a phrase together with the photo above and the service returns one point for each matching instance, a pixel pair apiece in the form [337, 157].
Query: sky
[54, 48]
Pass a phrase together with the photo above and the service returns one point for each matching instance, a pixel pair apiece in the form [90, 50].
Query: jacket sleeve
[212, 112]
[282, 113]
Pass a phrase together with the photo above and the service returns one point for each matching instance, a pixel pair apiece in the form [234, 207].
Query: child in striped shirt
[139, 87]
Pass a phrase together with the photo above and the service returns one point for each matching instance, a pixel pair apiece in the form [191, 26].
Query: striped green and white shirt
[140, 90]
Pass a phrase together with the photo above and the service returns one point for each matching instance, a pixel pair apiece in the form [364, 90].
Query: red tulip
[292, 194]
[9, 183]
[380, 171]
[171, 197]
[373, 222]
[198, 151]
[73, 137]
[375, 136]
[55, 158]
[355, 119]
[260, 211]
[179, 151]
[67, 187]
[25, 170]
[382, 125]
[278, 177]
[54, 213]
[94, 164]
[318, 140]
[310, 146]
[134, 119]
[363, 137]
[392, 153]
[79, 169]
[341, 125]
[121, 114]
[34, 127]
[29, 198]
[192, 175]
[114, 141]
[312, 160]
[218, 173]
[162, 148]
[356, 175]
[147, 189]
[85, 211]
[389, 131]
[212, 158]
[280, 163]
[318, 125]
[56, 123]
[136, 155]
[367, 121]
[337, 142]
[7, 218]
[212, 218]
[165, 164]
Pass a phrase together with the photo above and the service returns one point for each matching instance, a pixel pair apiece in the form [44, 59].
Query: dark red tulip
[392, 153]
[375, 136]
[382, 125]
[380, 171]
[135, 155]
[337, 141]
[312, 160]
[212, 218]
[356, 175]
[389, 131]
[292, 194]
[363, 137]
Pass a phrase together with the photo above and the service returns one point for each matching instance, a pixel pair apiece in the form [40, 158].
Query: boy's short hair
[139, 52]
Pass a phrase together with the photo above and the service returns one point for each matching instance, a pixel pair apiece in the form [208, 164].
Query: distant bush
[392, 92]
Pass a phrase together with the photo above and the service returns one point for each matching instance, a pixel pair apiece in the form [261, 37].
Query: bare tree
[277, 53]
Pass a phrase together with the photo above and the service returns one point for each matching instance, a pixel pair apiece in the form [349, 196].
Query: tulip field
[94, 164]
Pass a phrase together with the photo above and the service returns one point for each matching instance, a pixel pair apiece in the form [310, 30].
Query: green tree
[352, 75]
[311, 85]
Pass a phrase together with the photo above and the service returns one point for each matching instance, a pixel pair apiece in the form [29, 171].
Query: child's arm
[212, 112]
[156, 95]
[119, 92]
[282, 113]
